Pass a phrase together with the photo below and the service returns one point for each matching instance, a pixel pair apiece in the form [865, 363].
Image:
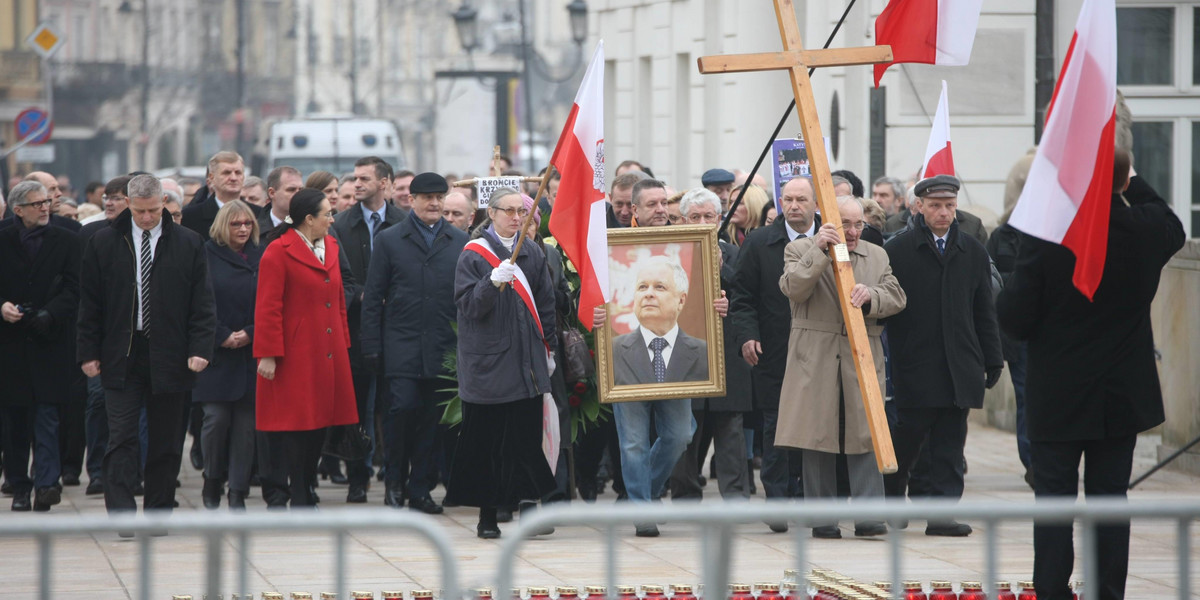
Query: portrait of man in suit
[657, 350]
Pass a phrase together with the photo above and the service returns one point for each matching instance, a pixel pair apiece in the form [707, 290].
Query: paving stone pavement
[104, 566]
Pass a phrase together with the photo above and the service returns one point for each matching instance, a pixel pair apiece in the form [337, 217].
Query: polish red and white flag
[933, 32]
[579, 218]
[939, 160]
[1068, 193]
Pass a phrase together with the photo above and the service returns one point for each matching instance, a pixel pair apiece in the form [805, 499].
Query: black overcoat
[1091, 372]
[182, 318]
[759, 311]
[354, 239]
[408, 306]
[947, 337]
[739, 396]
[34, 367]
[231, 375]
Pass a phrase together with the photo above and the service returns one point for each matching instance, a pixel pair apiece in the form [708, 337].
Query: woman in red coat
[300, 341]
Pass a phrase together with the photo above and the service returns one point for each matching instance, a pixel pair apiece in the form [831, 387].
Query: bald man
[457, 209]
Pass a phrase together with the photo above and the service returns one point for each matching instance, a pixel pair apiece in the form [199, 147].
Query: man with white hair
[719, 419]
[457, 209]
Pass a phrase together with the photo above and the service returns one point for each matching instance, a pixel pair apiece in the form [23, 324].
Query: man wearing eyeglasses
[408, 307]
[820, 407]
[39, 296]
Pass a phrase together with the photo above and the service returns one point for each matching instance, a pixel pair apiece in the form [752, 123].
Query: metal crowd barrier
[716, 523]
[214, 526]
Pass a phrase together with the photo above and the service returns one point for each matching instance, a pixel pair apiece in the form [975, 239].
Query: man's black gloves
[993, 376]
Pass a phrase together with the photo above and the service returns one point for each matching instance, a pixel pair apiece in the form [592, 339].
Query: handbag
[347, 442]
[576, 357]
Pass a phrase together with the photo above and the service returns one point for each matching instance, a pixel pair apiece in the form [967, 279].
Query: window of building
[1146, 37]
[1196, 178]
[1153, 142]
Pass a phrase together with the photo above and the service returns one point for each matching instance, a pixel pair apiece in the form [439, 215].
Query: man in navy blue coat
[407, 311]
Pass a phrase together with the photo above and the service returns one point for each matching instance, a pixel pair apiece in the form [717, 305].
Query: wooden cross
[796, 61]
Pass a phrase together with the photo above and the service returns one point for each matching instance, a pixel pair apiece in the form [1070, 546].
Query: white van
[330, 144]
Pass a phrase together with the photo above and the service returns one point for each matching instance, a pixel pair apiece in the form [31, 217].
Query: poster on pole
[789, 160]
[486, 185]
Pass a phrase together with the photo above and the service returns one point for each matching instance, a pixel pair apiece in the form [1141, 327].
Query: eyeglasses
[39, 205]
[240, 224]
[115, 198]
[859, 226]
[702, 218]
[512, 212]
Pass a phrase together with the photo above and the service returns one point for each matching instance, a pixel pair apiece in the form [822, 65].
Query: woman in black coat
[226, 388]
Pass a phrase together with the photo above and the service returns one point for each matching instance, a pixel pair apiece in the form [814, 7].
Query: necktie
[941, 244]
[660, 365]
[375, 221]
[144, 277]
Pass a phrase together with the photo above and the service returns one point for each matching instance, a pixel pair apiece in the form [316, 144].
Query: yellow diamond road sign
[45, 40]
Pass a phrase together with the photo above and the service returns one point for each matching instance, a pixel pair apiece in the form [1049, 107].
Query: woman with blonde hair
[748, 215]
[226, 388]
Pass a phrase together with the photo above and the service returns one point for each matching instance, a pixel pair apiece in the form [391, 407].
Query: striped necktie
[144, 277]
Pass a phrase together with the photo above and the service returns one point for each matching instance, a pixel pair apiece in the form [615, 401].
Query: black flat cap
[938, 186]
[716, 177]
[428, 183]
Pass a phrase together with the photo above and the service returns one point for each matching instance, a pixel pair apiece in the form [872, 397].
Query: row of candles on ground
[823, 584]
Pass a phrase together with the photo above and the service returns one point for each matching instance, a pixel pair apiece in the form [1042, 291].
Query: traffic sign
[29, 121]
[36, 154]
[45, 40]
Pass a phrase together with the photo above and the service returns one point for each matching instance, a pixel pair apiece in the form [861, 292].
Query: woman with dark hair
[225, 389]
[325, 182]
[506, 335]
[301, 341]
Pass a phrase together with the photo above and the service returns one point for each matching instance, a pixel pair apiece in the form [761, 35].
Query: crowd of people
[282, 319]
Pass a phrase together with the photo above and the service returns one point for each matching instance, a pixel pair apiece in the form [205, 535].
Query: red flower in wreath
[580, 387]
[574, 401]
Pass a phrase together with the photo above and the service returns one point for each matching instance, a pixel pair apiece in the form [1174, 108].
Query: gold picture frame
[624, 364]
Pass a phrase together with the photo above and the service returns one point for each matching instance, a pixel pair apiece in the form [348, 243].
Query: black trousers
[782, 468]
[164, 447]
[409, 430]
[300, 452]
[945, 431]
[272, 468]
[357, 472]
[1107, 465]
[72, 436]
[590, 447]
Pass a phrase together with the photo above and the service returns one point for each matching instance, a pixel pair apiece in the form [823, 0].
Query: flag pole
[529, 217]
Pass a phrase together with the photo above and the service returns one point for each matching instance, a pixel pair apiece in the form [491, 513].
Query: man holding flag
[1086, 273]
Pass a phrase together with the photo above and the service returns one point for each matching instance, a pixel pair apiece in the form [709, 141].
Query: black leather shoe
[20, 502]
[394, 497]
[139, 489]
[778, 526]
[503, 515]
[357, 494]
[948, 529]
[425, 505]
[95, 487]
[645, 530]
[211, 494]
[827, 532]
[6, 488]
[587, 492]
[44, 498]
[487, 532]
[331, 469]
[870, 529]
[237, 500]
[71, 479]
[197, 457]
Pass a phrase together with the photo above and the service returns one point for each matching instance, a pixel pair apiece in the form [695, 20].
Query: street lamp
[126, 8]
[468, 35]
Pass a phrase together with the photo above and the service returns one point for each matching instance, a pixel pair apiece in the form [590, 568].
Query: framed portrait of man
[662, 338]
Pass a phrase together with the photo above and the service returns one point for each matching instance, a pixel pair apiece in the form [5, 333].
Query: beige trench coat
[816, 371]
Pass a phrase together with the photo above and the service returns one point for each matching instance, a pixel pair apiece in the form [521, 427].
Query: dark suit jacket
[967, 222]
[1091, 364]
[354, 237]
[631, 361]
[39, 367]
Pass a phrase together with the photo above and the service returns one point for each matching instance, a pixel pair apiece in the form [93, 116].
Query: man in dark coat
[226, 174]
[1092, 384]
[967, 222]
[146, 327]
[718, 420]
[408, 308]
[945, 347]
[39, 296]
[356, 229]
[761, 314]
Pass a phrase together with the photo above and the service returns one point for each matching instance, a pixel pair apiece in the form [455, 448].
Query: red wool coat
[300, 319]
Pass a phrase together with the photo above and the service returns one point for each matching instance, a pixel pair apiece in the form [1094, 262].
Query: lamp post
[144, 110]
[465, 21]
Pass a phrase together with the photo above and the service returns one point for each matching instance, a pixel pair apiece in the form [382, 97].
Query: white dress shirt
[155, 234]
[793, 234]
[648, 336]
